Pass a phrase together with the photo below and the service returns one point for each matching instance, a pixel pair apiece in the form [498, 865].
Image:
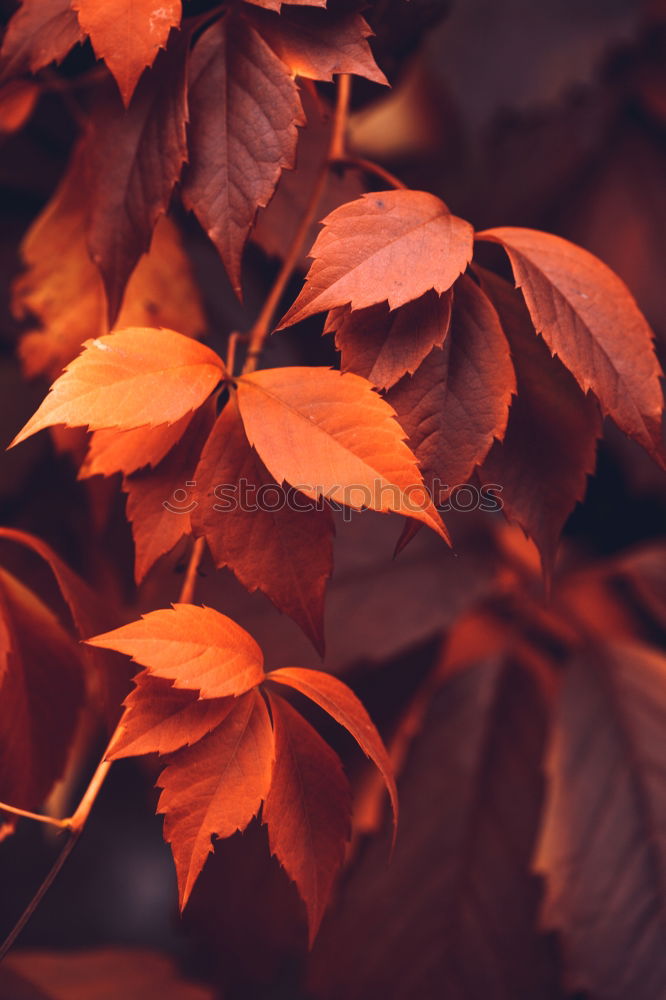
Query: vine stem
[262, 324]
[370, 167]
[75, 824]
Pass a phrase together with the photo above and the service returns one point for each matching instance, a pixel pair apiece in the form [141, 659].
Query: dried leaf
[256, 528]
[127, 34]
[197, 648]
[307, 811]
[360, 255]
[244, 111]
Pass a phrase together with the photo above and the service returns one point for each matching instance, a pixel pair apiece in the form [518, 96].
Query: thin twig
[262, 325]
[189, 583]
[38, 817]
[370, 167]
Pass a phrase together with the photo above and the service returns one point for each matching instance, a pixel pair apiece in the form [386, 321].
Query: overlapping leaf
[127, 34]
[40, 32]
[274, 540]
[129, 379]
[304, 424]
[383, 345]
[112, 451]
[360, 255]
[457, 402]
[590, 320]
[244, 112]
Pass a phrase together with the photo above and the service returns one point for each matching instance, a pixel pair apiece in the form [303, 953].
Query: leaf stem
[76, 823]
[262, 324]
[39, 817]
[370, 167]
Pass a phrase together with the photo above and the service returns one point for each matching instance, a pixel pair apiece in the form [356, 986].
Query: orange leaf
[127, 34]
[277, 4]
[40, 32]
[112, 451]
[381, 345]
[273, 546]
[360, 255]
[159, 517]
[197, 648]
[128, 379]
[244, 109]
[160, 718]
[549, 448]
[307, 811]
[315, 44]
[457, 402]
[135, 157]
[590, 320]
[216, 786]
[331, 435]
[342, 704]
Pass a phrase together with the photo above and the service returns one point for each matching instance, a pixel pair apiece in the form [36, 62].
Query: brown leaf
[127, 34]
[197, 648]
[381, 345]
[40, 32]
[160, 718]
[216, 786]
[135, 158]
[589, 319]
[317, 44]
[285, 552]
[129, 379]
[244, 112]
[457, 402]
[453, 915]
[549, 448]
[307, 811]
[602, 845]
[359, 256]
[331, 435]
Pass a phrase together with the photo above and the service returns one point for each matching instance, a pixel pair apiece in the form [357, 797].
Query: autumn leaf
[316, 44]
[197, 648]
[549, 448]
[304, 423]
[39, 33]
[244, 112]
[275, 547]
[128, 379]
[277, 4]
[127, 34]
[158, 521]
[18, 99]
[112, 451]
[216, 786]
[457, 401]
[307, 811]
[601, 849]
[342, 704]
[383, 345]
[589, 319]
[161, 718]
[359, 256]
[135, 157]
[41, 694]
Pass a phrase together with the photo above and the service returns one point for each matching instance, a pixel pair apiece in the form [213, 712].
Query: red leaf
[316, 44]
[216, 786]
[40, 32]
[331, 435]
[307, 810]
[381, 345]
[284, 552]
[549, 448]
[342, 704]
[135, 160]
[129, 379]
[590, 320]
[244, 112]
[197, 648]
[359, 256]
[127, 34]
[160, 718]
[602, 847]
[457, 402]
[159, 501]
